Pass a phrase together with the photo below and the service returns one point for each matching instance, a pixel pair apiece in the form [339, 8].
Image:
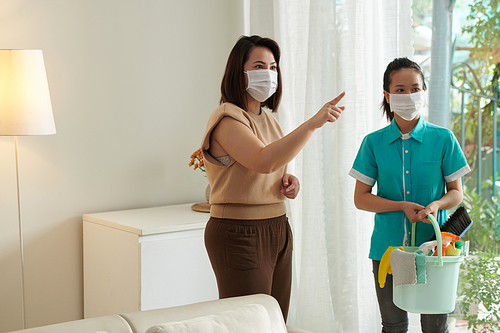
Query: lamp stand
[25, 110]
[21, 241]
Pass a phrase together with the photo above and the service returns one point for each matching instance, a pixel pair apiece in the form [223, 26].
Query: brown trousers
[251, 257]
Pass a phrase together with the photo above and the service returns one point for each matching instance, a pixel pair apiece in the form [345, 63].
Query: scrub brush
[457, 224]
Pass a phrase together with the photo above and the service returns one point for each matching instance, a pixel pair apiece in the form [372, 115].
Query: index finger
[337, 99]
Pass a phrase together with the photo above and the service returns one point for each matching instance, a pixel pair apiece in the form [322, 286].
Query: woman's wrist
[402, 205]
[309, 125]
[436, 205]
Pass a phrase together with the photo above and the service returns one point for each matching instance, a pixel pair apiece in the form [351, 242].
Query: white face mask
[407, 106]
[262, 83]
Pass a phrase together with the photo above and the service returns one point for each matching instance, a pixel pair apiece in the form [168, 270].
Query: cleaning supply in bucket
[454, 248]
[408, 268]
[385, 266]
[446, 238]
[457, 224]
[405, 272]
[421, 264]
[428, 247]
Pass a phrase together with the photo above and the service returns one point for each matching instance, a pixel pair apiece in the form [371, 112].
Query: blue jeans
[395, 320]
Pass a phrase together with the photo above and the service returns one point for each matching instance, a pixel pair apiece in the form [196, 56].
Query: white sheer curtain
[328, 47]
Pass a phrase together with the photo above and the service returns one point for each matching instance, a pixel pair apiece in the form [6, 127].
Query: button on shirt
[411, 167]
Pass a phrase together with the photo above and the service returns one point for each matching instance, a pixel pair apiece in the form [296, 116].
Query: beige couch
[254, 313]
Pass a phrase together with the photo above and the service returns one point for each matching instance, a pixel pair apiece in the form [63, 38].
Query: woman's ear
[387, 97]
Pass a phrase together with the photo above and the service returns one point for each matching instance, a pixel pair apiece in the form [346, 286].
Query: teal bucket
[438, 295]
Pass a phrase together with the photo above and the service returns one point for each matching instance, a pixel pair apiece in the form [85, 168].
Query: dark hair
[233, 89]
[394, 66]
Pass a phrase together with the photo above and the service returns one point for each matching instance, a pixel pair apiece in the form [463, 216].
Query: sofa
[246, 314]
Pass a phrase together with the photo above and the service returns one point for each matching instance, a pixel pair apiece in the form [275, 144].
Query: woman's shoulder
[229, 110]
[225, 110]
[378, 134]
[437, 131]
[437, 128]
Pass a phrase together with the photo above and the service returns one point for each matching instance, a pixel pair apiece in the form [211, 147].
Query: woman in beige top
[248, 238]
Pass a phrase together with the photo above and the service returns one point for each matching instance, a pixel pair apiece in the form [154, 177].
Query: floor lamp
[25, 109]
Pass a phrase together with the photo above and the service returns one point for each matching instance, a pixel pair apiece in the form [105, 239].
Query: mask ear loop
[248, 80]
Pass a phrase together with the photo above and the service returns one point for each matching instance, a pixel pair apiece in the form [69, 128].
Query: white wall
[132, 85]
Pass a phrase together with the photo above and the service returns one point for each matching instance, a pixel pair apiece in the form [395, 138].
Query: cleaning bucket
[438, 295]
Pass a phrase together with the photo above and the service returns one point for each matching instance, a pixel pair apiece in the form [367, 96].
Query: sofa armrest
[296, 330]
[141, 321]
[110, 324]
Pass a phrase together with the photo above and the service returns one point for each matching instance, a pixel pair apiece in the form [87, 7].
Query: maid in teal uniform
[418, 169]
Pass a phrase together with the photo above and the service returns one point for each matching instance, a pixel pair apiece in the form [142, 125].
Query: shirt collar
[417, 132]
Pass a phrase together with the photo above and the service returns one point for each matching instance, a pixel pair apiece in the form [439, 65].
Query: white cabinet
[145, 259]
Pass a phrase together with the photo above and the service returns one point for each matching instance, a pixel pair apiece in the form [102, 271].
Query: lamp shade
[25, 107]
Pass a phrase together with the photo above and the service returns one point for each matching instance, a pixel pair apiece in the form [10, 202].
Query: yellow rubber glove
[385, 266]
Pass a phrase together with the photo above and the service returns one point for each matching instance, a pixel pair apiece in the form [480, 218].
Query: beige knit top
[237, 192]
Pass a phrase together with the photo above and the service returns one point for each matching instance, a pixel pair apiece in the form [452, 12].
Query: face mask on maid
[407, 106]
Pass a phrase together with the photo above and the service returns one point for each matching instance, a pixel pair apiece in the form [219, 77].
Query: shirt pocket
[429, 174]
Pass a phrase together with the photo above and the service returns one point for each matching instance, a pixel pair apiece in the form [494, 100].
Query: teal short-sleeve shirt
[411, 167]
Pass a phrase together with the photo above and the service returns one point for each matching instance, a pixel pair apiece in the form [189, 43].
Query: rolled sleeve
[362, 178]
[365, 167]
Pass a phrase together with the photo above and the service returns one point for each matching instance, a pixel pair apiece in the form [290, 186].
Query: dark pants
[251, 257]
[395, 320]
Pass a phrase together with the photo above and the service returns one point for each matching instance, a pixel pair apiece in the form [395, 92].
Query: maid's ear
[387, 97]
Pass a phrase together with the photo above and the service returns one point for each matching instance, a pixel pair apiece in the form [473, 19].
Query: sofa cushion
[250, 318]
